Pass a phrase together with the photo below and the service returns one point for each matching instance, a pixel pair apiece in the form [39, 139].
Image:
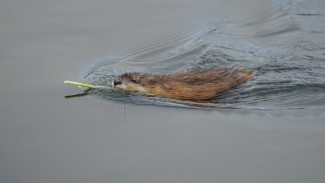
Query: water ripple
[280, 45]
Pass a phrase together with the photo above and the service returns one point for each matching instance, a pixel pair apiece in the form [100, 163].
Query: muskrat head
[130, 82]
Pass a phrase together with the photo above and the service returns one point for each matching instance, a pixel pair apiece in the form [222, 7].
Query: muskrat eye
[133, 81]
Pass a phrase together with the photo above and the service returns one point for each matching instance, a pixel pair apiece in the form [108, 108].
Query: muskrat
[191, 85]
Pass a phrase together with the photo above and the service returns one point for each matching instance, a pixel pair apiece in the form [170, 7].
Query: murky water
[284, 45]
[269, 129]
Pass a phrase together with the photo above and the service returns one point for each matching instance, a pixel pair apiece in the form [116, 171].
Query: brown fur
[192, 85]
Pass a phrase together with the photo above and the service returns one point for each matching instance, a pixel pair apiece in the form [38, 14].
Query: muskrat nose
[116, 83]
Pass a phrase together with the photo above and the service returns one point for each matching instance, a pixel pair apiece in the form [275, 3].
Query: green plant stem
[87, 85]
[97, 86]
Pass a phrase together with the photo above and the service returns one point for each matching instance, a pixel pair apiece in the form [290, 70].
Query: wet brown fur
[192, 85]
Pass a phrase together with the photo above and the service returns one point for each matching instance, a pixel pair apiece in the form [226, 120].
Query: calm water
[270, 129]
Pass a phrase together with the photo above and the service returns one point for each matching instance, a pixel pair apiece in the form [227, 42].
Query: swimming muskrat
[192, 85]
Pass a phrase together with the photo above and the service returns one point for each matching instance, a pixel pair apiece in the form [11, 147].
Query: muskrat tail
[250, 74]
[246, 74]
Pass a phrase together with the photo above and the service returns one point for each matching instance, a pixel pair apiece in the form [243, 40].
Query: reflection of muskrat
[192, 85]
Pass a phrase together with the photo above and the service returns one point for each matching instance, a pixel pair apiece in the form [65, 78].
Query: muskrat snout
[116, 83]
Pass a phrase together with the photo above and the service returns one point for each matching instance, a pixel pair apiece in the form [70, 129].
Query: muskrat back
[192, 85]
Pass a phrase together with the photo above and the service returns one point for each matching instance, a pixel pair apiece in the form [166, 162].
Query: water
[283, 45]
[270, 129]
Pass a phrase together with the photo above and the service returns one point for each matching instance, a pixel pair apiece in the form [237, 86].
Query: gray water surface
[270, 129]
